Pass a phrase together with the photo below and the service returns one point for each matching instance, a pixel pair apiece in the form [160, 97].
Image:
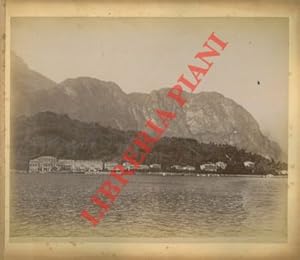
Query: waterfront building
[144, 167]
[33, 165]
[283, 172]
[189, 168]
[209, 167]
[177, 167]
[88, 165]
[128, 166]
[249, 164]
[79, 166]
[51, 164]
[110, 165]
[155, 166]
[221, 165]
[43, 164]
[65, 165]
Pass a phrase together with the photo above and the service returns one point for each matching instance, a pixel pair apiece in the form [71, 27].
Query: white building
[283, 172]
[65, 165]
[51, 164]
[144, 167]
[43, 164]
[155, 166]
[209, 167]
[110, 165]
[34, 165]
[189, 168]
[88, 165]
[221, 165]
[177, 167]
[128, 166]
[249, 164]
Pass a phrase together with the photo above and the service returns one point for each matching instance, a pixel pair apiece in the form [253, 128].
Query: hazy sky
[145, 54]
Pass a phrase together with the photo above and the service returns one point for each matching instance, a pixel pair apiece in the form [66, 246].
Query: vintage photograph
[149, 128]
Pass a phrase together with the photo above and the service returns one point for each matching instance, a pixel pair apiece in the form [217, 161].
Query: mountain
[47, 133]
[25, 84]
[207, 116]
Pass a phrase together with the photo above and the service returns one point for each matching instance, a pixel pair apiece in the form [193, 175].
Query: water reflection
[151, 206]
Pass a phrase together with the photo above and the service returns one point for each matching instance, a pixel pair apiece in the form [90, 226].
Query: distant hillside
[207, 116]
[48, 133]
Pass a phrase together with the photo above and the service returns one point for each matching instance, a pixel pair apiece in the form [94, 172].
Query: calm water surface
[151, 207]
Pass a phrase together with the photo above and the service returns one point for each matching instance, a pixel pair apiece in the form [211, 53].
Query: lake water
[152, 207]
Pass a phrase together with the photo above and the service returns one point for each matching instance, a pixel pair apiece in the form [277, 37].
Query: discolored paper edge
[68, 248]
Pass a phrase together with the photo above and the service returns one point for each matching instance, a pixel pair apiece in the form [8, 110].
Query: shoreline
[163, 174]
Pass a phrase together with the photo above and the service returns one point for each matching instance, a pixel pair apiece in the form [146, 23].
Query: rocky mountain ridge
[206, 117]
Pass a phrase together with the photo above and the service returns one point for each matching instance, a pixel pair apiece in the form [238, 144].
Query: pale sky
[145, 54]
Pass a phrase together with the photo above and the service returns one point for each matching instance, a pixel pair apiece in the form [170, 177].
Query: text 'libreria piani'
[144, 141]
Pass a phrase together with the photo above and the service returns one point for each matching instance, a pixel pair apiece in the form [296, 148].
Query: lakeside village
[50, 164]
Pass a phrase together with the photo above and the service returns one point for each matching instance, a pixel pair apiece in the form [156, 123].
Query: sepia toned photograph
[149, 128]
